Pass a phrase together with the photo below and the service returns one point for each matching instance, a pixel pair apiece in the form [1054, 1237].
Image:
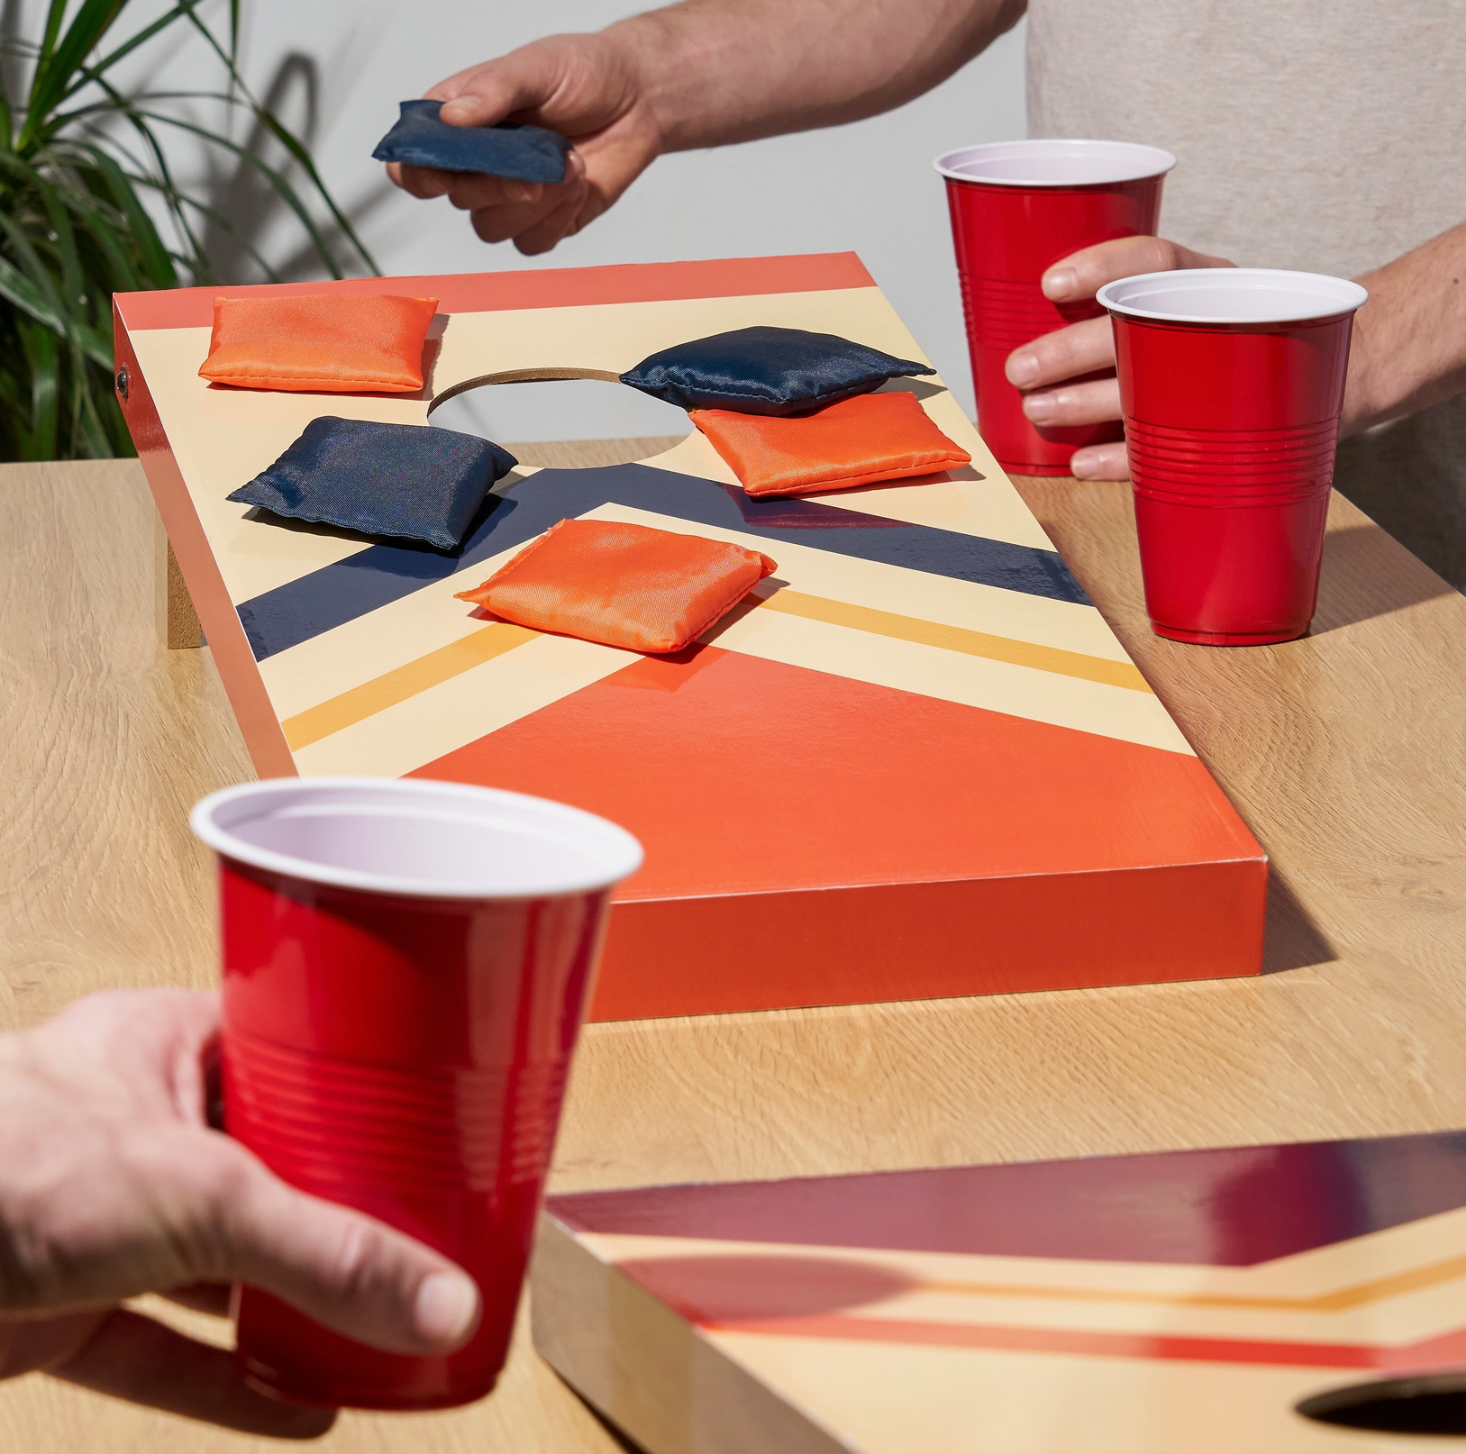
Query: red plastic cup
[406, 965]
[1017, 208]
[1231, 384]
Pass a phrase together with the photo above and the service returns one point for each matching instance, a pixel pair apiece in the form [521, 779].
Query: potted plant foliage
[89, 206]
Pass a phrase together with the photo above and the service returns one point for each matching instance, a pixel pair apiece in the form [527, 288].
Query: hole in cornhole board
[544, 422]
[1433, 1403]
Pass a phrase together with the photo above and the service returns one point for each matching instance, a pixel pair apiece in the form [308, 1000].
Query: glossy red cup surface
[1017, 208]
[406, 967]
[1231, 385]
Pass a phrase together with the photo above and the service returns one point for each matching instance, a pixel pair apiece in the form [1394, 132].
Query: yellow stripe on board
[959, 638]
[450, 661]
[406, 681]
[1344, 1299]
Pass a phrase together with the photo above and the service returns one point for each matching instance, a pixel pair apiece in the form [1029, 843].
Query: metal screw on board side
[122, 382]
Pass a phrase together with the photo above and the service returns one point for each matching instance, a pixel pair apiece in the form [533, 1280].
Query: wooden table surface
[1346, 753]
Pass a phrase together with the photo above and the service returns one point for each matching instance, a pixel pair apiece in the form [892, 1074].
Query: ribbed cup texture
[315, 1120]
[1223, 468]
[1005, 315]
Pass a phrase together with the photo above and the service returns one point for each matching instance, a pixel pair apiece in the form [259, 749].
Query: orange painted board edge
[263, 735]
[1014, 935]
[533, 288]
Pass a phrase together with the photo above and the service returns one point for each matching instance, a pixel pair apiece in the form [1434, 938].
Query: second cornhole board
[918, 764]
[1183, 1303]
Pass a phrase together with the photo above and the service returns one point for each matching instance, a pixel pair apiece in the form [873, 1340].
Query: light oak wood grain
[1344, 752]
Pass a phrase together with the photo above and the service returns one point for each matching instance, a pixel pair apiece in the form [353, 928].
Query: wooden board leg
[178, 622]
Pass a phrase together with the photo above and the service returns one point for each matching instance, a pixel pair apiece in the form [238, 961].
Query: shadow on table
[138, 1359]
[1367, 573]
[1291, 939]
[615, 1434]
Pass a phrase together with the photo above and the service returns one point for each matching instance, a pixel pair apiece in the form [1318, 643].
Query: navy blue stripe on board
[381, 574]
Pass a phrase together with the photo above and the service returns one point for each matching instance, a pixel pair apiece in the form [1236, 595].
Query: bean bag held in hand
[510, 149]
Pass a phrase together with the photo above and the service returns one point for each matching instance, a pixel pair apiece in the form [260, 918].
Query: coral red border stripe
[535, 288]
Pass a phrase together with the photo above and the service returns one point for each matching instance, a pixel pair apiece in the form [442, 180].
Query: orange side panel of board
[258, 723]
[968, 937]
[1013, 855]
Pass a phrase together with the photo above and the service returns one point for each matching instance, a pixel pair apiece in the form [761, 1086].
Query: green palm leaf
[88, 197]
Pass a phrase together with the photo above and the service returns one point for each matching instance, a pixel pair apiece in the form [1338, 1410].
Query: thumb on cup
[346, 1270]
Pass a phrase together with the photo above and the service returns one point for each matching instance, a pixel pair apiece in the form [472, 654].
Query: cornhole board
[1168, 1304]
[918, 763]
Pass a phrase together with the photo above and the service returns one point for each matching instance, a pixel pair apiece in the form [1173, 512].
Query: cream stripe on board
[420, 675]
[1393, 1319]
[894, 1398]
[1400, 1318]
[908, 653]
[1397, 1324]
[406, 681]
[394, 635]
[972, 681]
[367, 647]
[463, 708]
[1342, 1300]
[452, 712]
[1065, 625]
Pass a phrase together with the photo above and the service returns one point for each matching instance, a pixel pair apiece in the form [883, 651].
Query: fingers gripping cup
[1017, 208]
[1231, 384]
[406, 966]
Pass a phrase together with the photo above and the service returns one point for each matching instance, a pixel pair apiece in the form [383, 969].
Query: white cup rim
[1111, 162]
[1260, 295]
[613, 853]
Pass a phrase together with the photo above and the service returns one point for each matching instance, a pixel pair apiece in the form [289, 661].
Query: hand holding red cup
[1019, 208]
[1067, 377]
[406, 967]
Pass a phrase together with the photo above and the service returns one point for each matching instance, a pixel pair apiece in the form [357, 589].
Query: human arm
[112, 1184]
[1409, 345]
[703, 73]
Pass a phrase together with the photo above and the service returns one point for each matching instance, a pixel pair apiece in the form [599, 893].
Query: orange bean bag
[859, 441]
[621, 585]
[331, 343]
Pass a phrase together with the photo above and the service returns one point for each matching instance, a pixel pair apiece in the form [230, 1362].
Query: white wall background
[337, 68]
